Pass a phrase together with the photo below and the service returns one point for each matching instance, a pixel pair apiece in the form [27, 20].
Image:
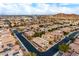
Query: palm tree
[64, 47]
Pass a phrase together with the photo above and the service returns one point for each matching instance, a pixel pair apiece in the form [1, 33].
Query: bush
[38, 34]
[30, 54]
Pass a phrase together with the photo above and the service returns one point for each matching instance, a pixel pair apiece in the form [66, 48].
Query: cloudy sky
[38, 8]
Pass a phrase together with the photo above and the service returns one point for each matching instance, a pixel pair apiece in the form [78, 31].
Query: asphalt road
[49, 52]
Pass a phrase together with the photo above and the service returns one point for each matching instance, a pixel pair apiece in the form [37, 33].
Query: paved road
[49, 52]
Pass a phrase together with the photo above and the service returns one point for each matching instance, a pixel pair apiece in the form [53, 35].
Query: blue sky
[38, 8]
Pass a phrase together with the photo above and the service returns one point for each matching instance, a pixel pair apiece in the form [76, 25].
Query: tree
[65, 33]
[72, 40]
[17, 42]
[51, 42]
[71, 25]
[50, 30]
[29, 37]
[64, 47]
[41, 25]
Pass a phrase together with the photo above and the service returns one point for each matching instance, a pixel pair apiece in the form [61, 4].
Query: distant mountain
[68, 15]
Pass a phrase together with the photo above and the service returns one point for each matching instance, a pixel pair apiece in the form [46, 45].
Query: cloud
[39, 1]
[39, 9]
[15, 9]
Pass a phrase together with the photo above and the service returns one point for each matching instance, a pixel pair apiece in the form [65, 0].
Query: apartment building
[8, 44]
